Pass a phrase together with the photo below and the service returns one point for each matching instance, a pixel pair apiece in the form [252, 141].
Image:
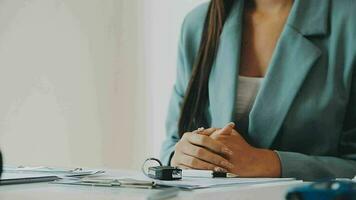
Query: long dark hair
[196, 98]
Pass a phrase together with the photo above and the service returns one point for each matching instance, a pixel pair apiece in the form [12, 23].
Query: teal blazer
[306, 107]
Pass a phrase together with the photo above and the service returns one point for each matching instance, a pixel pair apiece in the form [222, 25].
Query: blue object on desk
[328, 190]
[0, 163]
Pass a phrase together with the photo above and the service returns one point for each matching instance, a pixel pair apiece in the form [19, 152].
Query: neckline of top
[250, 78]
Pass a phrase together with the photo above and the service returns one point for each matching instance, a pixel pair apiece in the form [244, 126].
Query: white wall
[86, 82]
[162, 28]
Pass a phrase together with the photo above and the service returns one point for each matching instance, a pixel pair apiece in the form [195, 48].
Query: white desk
[46, 191]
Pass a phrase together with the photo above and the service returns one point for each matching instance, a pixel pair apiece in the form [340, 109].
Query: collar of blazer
[293, 58]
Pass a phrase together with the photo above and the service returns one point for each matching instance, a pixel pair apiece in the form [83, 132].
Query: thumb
[227, 129]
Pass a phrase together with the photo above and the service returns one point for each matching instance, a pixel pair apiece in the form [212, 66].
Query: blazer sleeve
[176, 100]
[308, 167]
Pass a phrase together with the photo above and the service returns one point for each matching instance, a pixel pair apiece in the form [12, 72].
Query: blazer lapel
[222, 82]
[293, 58]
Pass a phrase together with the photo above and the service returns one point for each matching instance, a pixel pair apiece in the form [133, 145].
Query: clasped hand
[224, 150]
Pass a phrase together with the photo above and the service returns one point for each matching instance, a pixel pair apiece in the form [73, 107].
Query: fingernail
[201, 129]
[227, 151]
[227, 164]
[231, 124]
[219, 169]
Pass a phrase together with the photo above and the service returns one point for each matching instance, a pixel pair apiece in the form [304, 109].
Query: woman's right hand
[199, 151]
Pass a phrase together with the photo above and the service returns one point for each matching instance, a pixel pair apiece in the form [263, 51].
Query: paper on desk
[78, 172]
[12, 175]
[193, 183]
[197, 183]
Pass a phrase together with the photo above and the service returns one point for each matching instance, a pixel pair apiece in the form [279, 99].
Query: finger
[207, 156]
[195, 163]
[208, 143]
[217, 169]
[181, 166]
[208, 131]
[199, 130]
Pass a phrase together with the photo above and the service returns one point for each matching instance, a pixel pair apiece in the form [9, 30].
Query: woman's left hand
[248, 160]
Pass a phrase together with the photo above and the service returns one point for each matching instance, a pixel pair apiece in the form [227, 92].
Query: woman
[284, 71]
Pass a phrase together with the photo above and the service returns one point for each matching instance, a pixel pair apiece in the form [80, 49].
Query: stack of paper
[77, 172]
[19, 175]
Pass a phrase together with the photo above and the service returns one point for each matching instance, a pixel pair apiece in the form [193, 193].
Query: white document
[78, 172]
[12, 175]
[196, 183]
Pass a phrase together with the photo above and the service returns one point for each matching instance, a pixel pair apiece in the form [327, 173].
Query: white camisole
[248, 88]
